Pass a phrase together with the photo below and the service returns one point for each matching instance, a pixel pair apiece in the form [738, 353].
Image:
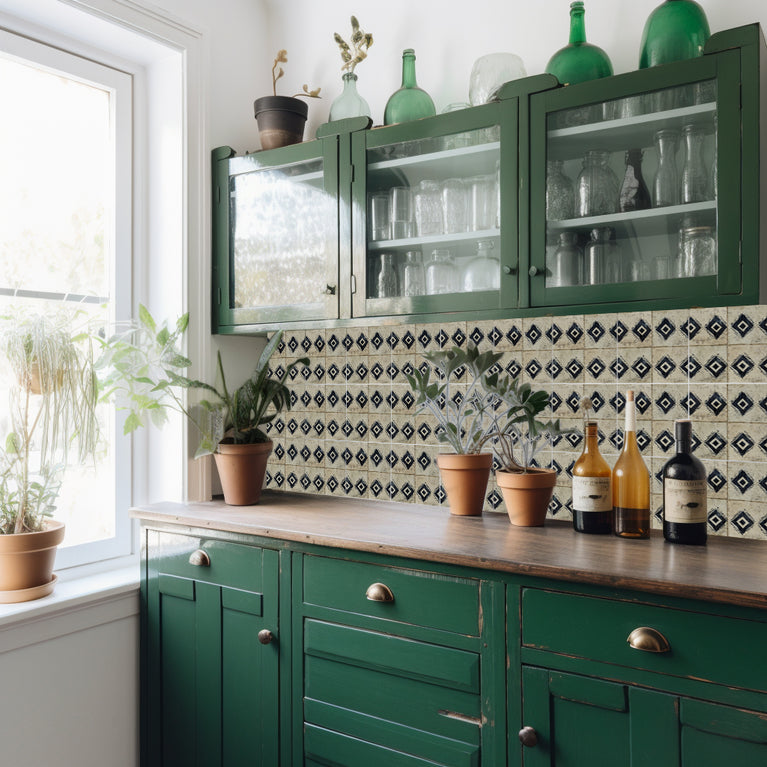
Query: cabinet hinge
[354, 284]
[353, 174]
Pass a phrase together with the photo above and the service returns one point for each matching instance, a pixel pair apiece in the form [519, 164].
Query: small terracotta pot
[465, 480]
[527, 495]
[281, 120]
[241, 469]
[26, 562]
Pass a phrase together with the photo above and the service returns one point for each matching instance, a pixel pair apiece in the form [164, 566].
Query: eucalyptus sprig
[277, 73]
[356, 52]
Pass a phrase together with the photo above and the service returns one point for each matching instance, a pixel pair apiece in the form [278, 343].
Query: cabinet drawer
[703, 647]
[205, 559]
[420, 598]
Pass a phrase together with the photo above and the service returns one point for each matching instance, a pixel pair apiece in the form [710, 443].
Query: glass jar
[698, 251]
[566, 265]
[560, 195]
[666, 184]
[413, 283]
[597, 188]
[694, 176]
[455, 206]
[484, 271]
[603, 258]
[634, 194]
[441, 273]
[386, 281]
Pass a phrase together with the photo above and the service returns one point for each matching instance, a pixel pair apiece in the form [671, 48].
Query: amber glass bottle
[631, 483]
[592, 496]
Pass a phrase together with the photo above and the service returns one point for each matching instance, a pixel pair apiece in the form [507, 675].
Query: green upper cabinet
[640, 190]
[643, 186]
[434, 214]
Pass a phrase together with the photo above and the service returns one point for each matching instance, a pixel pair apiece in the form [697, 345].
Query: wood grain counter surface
[726, 570]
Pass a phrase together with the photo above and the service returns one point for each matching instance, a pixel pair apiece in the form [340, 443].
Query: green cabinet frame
[736, 59]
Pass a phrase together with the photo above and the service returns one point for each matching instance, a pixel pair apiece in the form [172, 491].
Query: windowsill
[79, 601]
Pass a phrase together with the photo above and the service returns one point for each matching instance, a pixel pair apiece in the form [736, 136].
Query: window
[66, 240]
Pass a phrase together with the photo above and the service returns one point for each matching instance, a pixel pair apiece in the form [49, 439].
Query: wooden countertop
[726, 570]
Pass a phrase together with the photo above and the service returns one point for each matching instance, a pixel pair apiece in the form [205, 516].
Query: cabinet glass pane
[631, 188]
[279, 257]
[434, 215]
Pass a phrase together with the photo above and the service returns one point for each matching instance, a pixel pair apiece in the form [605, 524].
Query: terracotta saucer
[27, 595]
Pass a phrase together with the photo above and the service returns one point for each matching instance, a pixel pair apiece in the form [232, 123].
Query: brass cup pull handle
[648, 640]
[379, 592]
[265, 636]
[528, 737]
[200, 558]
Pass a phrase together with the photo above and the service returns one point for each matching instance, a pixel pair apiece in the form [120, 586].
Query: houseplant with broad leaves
[146, 363]
[517, 435]
[459, 401]
[281, 119]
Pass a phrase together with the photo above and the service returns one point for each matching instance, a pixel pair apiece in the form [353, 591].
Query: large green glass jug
[579, 61]
[675, 30]
[409, 102]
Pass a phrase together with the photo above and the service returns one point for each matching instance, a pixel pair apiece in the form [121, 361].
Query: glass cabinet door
[626, 190]
[433, 195]
[277, 239]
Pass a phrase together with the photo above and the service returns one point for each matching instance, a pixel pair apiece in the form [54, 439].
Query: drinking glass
[428, 209]
[454, 206]
[401, 209]
[482, 202]
[380, 222]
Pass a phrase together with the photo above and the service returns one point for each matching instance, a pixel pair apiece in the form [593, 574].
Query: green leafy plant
[52, 414]
[356, 52]
[278, 72]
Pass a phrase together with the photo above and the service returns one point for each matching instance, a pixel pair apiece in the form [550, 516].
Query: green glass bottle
[409, 102]
[579, 61]
[675, 30]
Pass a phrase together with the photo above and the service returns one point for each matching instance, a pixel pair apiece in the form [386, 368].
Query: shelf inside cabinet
[625, 133]
[460, 157]
[641, 222]
[411, 243]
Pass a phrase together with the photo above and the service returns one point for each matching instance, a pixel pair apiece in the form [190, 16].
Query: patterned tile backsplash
[353, 430]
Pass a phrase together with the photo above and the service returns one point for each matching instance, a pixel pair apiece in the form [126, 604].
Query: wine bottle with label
[592, 494]
[685, 510]
[631, 483]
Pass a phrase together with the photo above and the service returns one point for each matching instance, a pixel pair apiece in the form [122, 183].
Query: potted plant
[462, 415]
[52, 419]
[145, 361]
[281, 119]
[517, 436]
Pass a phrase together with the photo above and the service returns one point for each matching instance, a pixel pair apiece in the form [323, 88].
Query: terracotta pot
[26, 563]
[281, 120]
[241, 469]
[527, 495]
[465, 480]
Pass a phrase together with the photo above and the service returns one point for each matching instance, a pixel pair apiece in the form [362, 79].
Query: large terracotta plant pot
[527, 495]
[241, 469]
[26, 563]
[464, 478]
[281, 120]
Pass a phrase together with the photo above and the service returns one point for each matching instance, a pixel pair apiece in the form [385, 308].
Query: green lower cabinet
[581, 720]
[211, 687]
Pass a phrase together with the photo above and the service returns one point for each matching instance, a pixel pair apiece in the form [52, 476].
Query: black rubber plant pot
[281, 120]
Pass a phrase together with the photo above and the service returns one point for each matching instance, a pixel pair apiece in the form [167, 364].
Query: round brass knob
[528, 737]
[379, 592]
[533, 271]
[648, 640]
[265, 636]
[200, 558]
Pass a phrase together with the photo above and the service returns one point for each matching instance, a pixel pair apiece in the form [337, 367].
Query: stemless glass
[454, 206]
[597, 188]
[401, 210]
[482, 203]
[428, 209]
[413, 283]
[441, 274]
[380, 221]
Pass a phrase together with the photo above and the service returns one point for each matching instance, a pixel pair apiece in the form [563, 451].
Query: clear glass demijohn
[484, 271]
